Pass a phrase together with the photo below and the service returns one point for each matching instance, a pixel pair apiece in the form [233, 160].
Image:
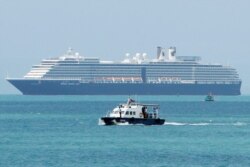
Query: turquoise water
[63, 131]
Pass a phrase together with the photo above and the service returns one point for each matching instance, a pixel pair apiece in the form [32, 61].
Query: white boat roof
[141, 104]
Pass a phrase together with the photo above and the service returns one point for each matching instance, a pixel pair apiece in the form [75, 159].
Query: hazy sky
[31, 30]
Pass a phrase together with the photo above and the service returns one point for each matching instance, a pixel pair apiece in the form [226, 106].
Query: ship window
[134, 113]
[131, 113]
[127, 113]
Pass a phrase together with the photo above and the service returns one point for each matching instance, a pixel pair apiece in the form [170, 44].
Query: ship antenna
[70, 50]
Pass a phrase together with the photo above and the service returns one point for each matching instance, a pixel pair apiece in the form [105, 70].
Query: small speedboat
[209, 97]
[133, 113]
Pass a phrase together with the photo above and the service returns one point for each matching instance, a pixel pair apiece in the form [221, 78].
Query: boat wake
[174, 123]
[206, 124]
[100, 122]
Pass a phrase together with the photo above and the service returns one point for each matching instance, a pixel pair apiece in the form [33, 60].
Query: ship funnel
[159, 52]
[171, 53]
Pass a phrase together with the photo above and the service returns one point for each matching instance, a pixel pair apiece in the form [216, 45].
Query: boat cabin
[135, 110]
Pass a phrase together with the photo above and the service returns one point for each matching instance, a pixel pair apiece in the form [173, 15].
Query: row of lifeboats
[138, 79]
[114, 79]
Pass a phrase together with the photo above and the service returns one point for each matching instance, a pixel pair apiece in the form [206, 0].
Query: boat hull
[131, 121]
[75, 87]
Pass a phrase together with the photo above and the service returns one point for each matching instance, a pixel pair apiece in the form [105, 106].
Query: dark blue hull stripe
[59, 87]
[114, 121]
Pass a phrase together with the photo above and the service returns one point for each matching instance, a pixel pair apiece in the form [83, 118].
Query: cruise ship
[166, 74]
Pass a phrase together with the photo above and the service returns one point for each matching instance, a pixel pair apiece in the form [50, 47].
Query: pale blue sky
[218, 31]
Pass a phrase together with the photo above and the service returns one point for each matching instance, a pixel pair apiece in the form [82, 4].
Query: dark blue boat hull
[74, 87]
[132, 121]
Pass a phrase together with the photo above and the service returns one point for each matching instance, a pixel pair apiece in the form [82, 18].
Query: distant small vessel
[133, 113]
[209, 97]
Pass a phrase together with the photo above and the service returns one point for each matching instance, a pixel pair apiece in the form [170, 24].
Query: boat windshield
[150, 111]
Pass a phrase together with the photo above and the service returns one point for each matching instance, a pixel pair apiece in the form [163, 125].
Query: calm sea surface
[60, 131]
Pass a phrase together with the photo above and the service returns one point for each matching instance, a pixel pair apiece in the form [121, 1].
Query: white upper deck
[165, 68]
[163, 55]
[138, 58]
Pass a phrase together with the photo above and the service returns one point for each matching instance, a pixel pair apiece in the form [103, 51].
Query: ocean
[63, 131]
